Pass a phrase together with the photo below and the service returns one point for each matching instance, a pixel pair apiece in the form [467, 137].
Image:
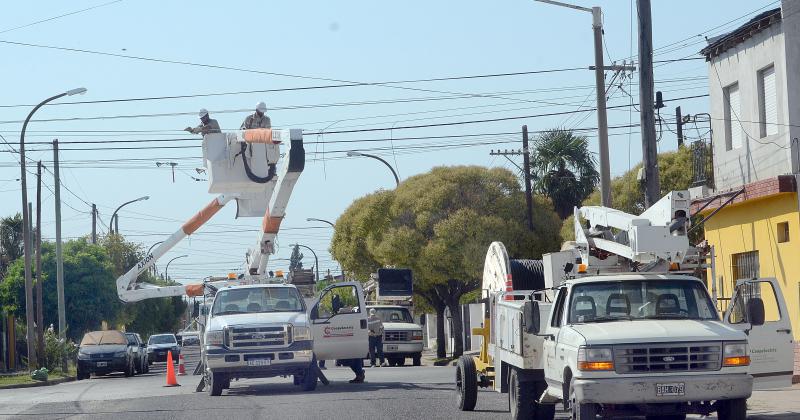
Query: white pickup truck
[402, 337]
[266, 330]
[602, 340]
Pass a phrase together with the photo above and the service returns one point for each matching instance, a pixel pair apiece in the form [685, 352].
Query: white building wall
[758, 158]
[791, 33]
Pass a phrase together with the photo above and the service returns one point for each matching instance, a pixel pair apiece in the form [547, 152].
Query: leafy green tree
[296, 259]
[627, 194]
[563, 169]
[10, 241]
[440, 224]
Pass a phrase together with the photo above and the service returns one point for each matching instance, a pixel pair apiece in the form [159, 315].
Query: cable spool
[527, 274]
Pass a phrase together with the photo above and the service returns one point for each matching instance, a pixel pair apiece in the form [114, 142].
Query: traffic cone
[171, 380]
[181, 367]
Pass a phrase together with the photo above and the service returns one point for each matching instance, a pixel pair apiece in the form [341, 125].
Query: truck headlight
[215, 338]
[416, 335]
[595, 358]
[301, 333]
[735, 354]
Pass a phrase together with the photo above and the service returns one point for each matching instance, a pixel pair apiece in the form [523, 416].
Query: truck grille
[255, 337]
[396, 335]
[668, 357]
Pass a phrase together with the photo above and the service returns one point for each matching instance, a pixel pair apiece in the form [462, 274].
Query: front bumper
[402, 348]
[291, 360]
[110, 365]
[161, 355]
[640, 390]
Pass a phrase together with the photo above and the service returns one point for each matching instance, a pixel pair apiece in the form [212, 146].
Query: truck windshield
[162, 339]
[394, 315]
[636, 300]
[256, 300]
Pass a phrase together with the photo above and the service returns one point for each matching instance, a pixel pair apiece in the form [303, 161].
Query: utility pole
[39, 278]
[94, 223]
[652, 188]
[602, 117]
[62, 319]
[679, 123]
[526, 166]
[30, 334]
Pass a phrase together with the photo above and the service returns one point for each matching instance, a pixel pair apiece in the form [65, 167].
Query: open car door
[771, 344]
[339, 322]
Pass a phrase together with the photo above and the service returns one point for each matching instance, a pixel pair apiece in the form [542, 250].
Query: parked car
[140, 352]
[189, 338]
[103, 352]
[158, 345]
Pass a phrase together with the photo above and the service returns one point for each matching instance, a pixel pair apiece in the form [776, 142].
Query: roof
[752, 191]
[720, 44]
[632, 277]
[96, 338]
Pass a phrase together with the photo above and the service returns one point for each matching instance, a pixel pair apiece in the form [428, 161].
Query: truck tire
[81, 374]
[213, 384]
[417, 359]
[522, 399]
[735, 409]
[309, 382]
[466, 383]
[130, 370]
[581, 410]
[527, 274]
[401, 361]
[667, 417]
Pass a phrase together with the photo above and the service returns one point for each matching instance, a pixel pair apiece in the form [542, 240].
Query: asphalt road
[389, 393]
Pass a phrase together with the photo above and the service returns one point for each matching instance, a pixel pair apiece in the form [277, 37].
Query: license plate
[161, 353]
[259, 362]
[102, 364]
[391, 347]
[673, 389]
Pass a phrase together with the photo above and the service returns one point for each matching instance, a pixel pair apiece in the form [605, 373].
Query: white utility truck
[257, 324]
[393, 289]
[615, 325]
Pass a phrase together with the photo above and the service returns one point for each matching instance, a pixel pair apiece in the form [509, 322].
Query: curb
[36, 384]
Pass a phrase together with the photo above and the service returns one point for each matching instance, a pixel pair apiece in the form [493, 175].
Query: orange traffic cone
[171, 380]
[181, 367]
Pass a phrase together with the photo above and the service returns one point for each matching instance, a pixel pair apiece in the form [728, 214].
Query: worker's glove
[189, 129]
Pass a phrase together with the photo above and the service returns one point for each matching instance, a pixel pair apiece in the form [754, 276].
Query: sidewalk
[781, 404]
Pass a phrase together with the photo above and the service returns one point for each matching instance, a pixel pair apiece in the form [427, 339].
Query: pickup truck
[266, 330]
[402, 337]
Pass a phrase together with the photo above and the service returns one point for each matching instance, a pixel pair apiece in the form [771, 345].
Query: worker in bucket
[259, 119]
[207, 124]
[375, 338]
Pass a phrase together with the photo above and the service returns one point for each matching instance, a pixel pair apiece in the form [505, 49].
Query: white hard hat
[203, 112]
[261, 107]
[372, 311]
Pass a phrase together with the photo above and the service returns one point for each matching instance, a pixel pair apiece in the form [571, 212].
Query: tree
[10, 241]
[439, 224]
[627, 194]
[563, 169]
[296, 259]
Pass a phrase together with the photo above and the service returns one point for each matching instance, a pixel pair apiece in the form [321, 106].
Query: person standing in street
[259, 119]
[375, 338]
[207, 124]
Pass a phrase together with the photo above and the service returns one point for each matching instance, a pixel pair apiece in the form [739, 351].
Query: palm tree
[563, 168]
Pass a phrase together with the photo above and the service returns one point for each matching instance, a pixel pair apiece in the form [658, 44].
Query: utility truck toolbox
[619, 324]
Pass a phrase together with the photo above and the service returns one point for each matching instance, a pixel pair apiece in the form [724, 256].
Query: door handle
[784, 330]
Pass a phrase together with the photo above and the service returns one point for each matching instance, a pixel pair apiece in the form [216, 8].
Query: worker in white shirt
[259, 119]
[207, 124]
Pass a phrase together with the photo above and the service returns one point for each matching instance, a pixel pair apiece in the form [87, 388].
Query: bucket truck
[258, 325]
[616, 325]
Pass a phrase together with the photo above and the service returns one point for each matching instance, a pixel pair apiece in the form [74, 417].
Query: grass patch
[25, 378]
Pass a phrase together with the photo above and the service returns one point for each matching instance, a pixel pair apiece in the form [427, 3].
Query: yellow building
[751, 200]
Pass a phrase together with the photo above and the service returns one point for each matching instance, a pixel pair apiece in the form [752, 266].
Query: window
[767, 102]
[759, 289]
[745, 265]
[338, 300]
[733, 130]
[394, 315]
[559, 308]
[257, 299]
[783, 232]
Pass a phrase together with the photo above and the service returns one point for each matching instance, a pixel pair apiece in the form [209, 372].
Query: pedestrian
[375, 338]
[259, 119]
[357, 366]
[207, 124]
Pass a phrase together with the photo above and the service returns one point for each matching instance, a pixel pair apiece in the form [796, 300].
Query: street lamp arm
[571, 6]
[114, 215]
[396, 178]
[316, 260]
[312, 219]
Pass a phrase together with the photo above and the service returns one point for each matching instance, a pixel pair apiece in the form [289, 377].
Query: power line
[58, 17]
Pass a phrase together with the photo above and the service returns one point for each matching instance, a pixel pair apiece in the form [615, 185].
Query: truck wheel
[581, 410]
[466, 383]
[130, 370]
[667, 417]
[520, 397]
[417, 359]
[309, 382]
[213, 384]
[732, 409]
[401, 361]
[81, 374]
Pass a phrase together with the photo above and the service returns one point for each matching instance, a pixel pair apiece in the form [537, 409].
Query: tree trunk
[441, 349]
[458, 326]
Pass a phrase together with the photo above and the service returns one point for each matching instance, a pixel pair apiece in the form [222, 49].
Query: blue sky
[309, 42]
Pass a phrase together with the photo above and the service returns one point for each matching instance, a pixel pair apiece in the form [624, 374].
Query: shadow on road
[334, 387]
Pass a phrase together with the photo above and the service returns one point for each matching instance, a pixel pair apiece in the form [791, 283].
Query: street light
[354, 154]
[316, 260]
[312, 219]
[115, 219]
[26, 234]
[166, 270]
[148, 253]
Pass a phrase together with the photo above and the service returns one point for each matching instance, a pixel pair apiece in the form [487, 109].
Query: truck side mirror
[530, 314]
[755, 311]
[314, 312]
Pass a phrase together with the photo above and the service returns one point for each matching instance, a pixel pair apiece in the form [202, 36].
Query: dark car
[103, 352]
[158, 345]
[140, 352]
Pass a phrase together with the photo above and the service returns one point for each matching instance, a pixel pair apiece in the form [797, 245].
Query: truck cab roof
[630, 277]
